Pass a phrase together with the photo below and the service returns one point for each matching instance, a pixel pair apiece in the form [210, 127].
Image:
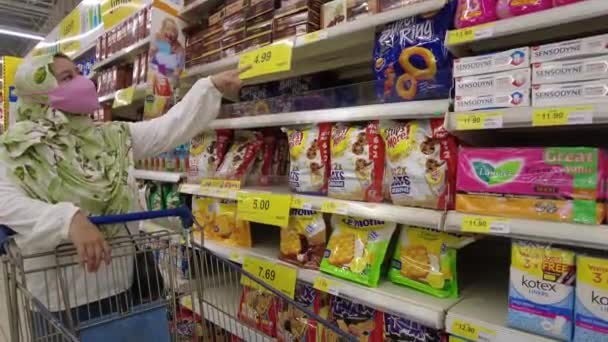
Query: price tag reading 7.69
[271, 209]
[277, 276]
[267, 60]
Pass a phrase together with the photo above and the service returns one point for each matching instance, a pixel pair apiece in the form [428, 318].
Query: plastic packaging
[309, 155]
[541, 289]
[511, 8]
[492, 62]
[591, 307]
[564, 2]
[495, 83]
[207, 151]
[474, 12]
[568, 94]
[303, 240]
[356, 248]
[518, 98]
[402, 329]
[293, 324]
[218, 219]
[258, 308]
[357, 162]
[240, 157]
[570, 49]
[362, 322]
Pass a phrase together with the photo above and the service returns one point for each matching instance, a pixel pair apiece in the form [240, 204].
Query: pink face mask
[77, 96]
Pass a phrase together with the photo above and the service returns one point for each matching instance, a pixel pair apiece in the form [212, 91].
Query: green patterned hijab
[59, 157]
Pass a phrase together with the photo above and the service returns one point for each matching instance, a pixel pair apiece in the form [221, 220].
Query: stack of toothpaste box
[573, 72]
[496, 80]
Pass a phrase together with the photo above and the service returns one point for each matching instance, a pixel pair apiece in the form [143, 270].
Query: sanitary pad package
[541, 289]
[591, 308]
[593, 68]
[553, 183]
[576, 48]
[577, 93]
[501, 82]
[493, 62]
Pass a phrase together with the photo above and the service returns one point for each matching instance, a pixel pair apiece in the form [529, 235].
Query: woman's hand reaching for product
[90, 244]
[228, 82]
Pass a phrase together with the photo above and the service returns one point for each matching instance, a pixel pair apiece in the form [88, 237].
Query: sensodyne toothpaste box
[575, 93]
[585, 69]
[493, 62]
[518, 98]
[500, 82]
[576, 48]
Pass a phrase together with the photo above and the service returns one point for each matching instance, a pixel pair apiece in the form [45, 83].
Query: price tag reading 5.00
[271, 209]
[267, 60]
[279, 277]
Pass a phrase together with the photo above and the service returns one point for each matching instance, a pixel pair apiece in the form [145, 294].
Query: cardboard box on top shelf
[356, 9]
[293, 6]
[387, 5]
[260, 24]
[333, 13]
[258, 8]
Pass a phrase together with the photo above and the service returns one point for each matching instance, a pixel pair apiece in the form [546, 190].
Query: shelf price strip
[272, 209]
[471, 121]
[471, 331]
[325, 285]
[220, 187]
[267, 60]
[333, 207]
[579, 115]
[300, 203]
[277, 276]
[470, 34]
[484, 224]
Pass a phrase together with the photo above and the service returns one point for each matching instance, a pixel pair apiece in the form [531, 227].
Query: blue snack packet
[410, 60]
[403, 330]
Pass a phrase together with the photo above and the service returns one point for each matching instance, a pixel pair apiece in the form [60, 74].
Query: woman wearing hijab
[57, 167]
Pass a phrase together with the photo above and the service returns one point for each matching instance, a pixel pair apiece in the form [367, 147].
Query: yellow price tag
[272, 209]
[485, 224]
[325, 285]
[219, 187]
[123, 97]
[470, 34]
[471, 121]
[277, 276]
[267, 60]
[333, 207]
[300, 203]
[558, 116]
[471, 331]
[312, 37]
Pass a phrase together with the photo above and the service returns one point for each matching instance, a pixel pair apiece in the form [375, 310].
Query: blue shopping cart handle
[5, 235]
[181, 212]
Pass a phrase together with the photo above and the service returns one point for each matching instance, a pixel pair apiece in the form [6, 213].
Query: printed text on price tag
[277, 276]
[326, 285]
[558, 116]
[471, 331]
[469, 34]
[485, 224]
[271, 209]
[333, 207]
[300, 203]
[478, 121]
[267, 60]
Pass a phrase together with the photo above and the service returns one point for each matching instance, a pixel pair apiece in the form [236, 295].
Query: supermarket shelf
[198, 9]
[592, 236]
[484, 305]
[388, 297]
[343, 45]
[123, 54]
[167, 177]
[379, 211]
[83, 51]
[139, 94]
[559, 23]
[402, 110]
[522, 117]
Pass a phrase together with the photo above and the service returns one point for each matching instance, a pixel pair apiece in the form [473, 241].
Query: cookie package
[421, 160]
[356, 248]
[241, 156]
[217, 218]
[357, 162]
[207, 152]
[309, 156]
[303, 240]
[259, 309]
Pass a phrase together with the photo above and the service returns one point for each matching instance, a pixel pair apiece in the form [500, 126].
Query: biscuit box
[492, 62]
[575, 93]
[410, 60]
[553, 183]
[570, 71]
[487, 84]
[576, 48]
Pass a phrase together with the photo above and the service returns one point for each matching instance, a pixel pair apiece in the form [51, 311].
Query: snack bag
[357, 162]
[511, 8]
[591, 308]
[155, 197]
[360, 321]
[241, 156]
[226, 228]
[258, 309]
[421, 160]
[356, 248]
[303, 240]
[474, 12]
[261, 171]
[293, 323]
[203, 211]
[207, 152]
[309, 155]
[424, 261]
[399, 329]
[171, 196]
[411, 61]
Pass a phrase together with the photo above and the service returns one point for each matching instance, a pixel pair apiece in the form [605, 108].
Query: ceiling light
[21, 34]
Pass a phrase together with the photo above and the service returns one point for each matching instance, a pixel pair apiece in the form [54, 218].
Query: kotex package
[410, 60]
[512, 8]
[494, 83]
[425, 260]
[258, 308]
[293, 324]
[303, 240]
[570, 49]
[226, 227]
[493, 62]
[541, 289]
[357, 162]
[207, 152]
[399, 329]
[421, 161]
[358, 320]
[356, 248]
[553, 183]
[591, 306]
[240, 156]
[474, 12]
[309, 158]
[574, 93]
[584, 69]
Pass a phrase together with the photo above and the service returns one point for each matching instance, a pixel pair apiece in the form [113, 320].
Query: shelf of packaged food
[123, 54]
[83, 51]
[159, 176]
[402, 110]
[586, 235]
[483, 312]
[380, 211]
[346, 44]
[198, 9]
[388, 297]
[523, 117]
[559, 23]
[138, 95]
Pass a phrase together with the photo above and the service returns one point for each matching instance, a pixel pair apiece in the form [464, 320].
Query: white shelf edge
[401, 110]
[213, 67]
[586, 235]
[160, 176]
[122, 53]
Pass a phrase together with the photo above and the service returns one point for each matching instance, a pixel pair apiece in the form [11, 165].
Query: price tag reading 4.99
[279, 277]
[271, 209]
[267, 60]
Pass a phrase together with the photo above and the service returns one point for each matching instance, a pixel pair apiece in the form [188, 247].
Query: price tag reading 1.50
[271, 209]
[277, 276]
[267, 60]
